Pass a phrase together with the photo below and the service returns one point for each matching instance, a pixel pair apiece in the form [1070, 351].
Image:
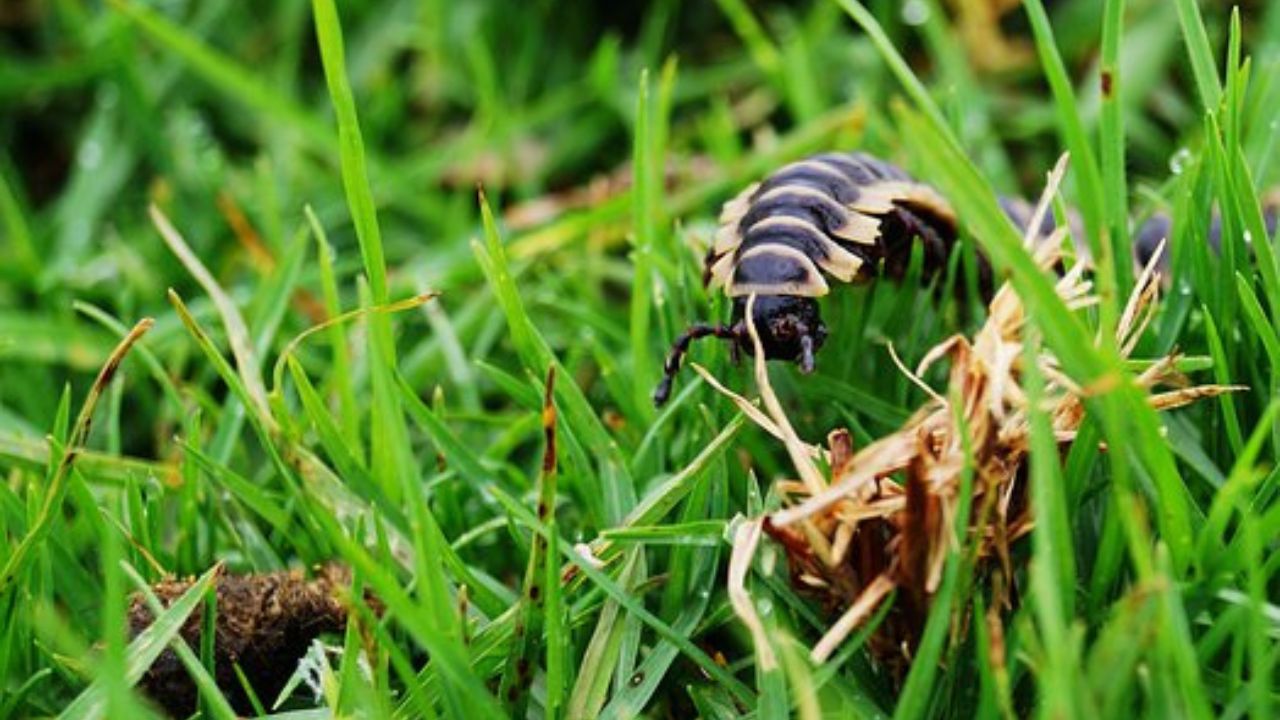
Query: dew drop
[915, 12]
[1180, 161]
[90, 154]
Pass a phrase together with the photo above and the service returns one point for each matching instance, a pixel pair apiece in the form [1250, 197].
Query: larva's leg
[681, 346]
[898, 249]
[938, 245]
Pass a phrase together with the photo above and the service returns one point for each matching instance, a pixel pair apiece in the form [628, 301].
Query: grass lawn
[379, 292]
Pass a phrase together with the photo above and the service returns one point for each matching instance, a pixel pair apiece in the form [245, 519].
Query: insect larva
[848, 218]
[829, 218]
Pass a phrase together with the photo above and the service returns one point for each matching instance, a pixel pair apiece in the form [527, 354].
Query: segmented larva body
[840, 216]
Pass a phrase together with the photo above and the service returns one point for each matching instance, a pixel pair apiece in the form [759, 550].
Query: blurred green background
[217, 112]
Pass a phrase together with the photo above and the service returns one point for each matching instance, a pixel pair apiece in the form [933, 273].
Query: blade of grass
[120, 701]
[1240, 482]
[60, 478]
[448, 657]
[1257, 318]
[144, 353]
[1203, 67]
[1261, 651]
[555, 676]
[1230, 419]
[517, 678]
[391, 457]
[223, 73]
[212, 702]
[691, 576]
[242, 346]
[1111, 143]
[17, 229]
[1053, 576]
[259, 418]
[343, 456]
[145, 648]
[914, 699]
[613, 476]
[648, 173]
[600, 657]
[1089, 180]
[247, 492]
[761, 49]
[349, 412]
[627, 601]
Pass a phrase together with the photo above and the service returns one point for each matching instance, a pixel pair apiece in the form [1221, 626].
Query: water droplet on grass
[915, 12]
[90, 154]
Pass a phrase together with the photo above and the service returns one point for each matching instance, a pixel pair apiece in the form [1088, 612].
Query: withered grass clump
[264, 624]
[885, 517]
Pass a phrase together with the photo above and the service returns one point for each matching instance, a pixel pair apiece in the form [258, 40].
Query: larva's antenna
[806, 353]
[681, 346]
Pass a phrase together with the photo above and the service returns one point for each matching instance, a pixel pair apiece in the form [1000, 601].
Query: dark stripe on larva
[772, 269]
[840, 189]
[863, 169]
[822, 211]
[816, 193]
[806, 240]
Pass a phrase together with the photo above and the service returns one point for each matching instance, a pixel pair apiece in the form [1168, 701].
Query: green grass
[351, 347]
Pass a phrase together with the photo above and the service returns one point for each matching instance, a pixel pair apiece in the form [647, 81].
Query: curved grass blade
[58, 483]
[143, 651]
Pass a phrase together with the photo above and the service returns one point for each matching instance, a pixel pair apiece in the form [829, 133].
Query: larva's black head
[789, 327]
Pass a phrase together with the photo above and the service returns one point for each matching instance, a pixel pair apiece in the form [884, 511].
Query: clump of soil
[265, 623]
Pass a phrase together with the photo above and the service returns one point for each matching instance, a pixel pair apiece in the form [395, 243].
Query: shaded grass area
[293, 165]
